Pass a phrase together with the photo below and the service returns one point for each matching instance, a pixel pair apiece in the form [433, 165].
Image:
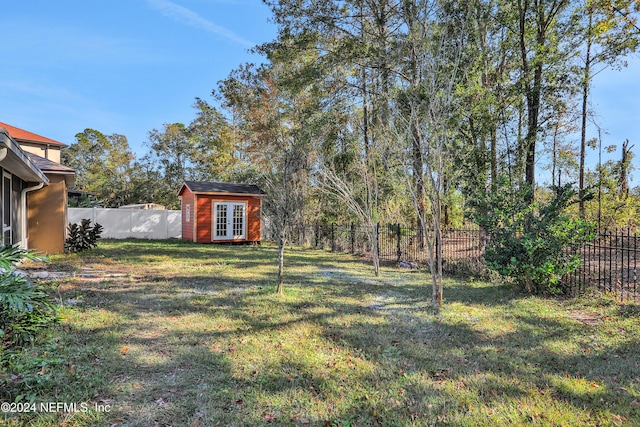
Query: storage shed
[221, 212]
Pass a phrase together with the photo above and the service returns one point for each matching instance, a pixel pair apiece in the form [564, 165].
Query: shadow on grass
[485, 293]
[222, 349]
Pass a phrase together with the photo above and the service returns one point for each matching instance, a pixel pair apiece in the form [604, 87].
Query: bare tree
[360, 199]
[285, 199]
[271, 123]
[436, 37]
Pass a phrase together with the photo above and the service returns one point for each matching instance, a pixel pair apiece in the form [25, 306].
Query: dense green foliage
[25, 308]
[532, 244]
[103, 165]
[111, 175]
[82, 236]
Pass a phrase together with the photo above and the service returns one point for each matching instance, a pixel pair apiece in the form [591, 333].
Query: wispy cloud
[36, 89]
[50, 45]
[189, 17]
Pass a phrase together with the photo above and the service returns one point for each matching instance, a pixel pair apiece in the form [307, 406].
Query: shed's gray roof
[223, 187]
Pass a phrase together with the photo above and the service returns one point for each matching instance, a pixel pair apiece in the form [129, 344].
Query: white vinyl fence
[132, 223]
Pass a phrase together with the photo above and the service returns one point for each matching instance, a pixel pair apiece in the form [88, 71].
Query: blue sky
[120, 66]
[129, 66]
[615, 99]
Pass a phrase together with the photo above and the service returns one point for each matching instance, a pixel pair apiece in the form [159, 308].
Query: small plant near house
[534, 244]
[82, 236]
[25, 308]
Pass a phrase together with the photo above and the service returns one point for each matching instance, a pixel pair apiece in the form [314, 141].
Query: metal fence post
[353, 238]
[378, 238]
[333, 237]
[398, 248]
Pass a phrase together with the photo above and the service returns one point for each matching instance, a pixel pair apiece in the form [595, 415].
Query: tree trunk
[416, 136]
[533, 110]
[554, 156]
[374, 249]
[583, 133]
[624, 170]
[418, 178]
[532, 93]
[281, 244]
[436, 264]
[494, 157]
[365, 117]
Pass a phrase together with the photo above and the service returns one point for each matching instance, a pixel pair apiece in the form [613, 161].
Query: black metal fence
[610, 262]
[461, 249]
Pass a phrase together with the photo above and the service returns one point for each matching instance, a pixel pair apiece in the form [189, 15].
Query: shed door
[229, 221]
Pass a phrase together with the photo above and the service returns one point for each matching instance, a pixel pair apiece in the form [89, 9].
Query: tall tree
[210, 133]
[608, 35]
[172, 151]
[104, 166]
[350, 47]
[272, 128]
[540, 28]
[479, 122]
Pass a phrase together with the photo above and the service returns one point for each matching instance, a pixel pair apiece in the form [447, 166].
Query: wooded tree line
[397, 110]
[111, 175]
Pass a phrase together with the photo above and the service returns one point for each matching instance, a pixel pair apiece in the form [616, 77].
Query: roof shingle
[223, 187]
[47, 166]
[21, 135]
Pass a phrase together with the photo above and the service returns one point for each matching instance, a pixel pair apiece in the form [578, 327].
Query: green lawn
[178, 334]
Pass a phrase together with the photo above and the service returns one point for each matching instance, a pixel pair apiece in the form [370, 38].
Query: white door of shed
[229, 221]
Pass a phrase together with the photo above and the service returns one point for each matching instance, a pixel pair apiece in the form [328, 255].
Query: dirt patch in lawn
[585, 318]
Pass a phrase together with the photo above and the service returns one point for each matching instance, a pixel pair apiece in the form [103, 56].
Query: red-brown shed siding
[188, 215]
[204, 219]
[254, 220]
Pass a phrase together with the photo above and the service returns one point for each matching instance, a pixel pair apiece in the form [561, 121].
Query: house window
[6, 210]
[187, 212]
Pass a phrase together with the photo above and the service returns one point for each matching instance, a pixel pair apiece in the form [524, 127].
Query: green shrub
[533, 244]
[25, 308]
[82, 236]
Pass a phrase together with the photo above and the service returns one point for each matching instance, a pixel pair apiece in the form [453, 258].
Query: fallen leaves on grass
[302, 420]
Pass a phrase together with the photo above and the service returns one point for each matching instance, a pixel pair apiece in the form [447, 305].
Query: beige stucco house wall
[45, 218]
